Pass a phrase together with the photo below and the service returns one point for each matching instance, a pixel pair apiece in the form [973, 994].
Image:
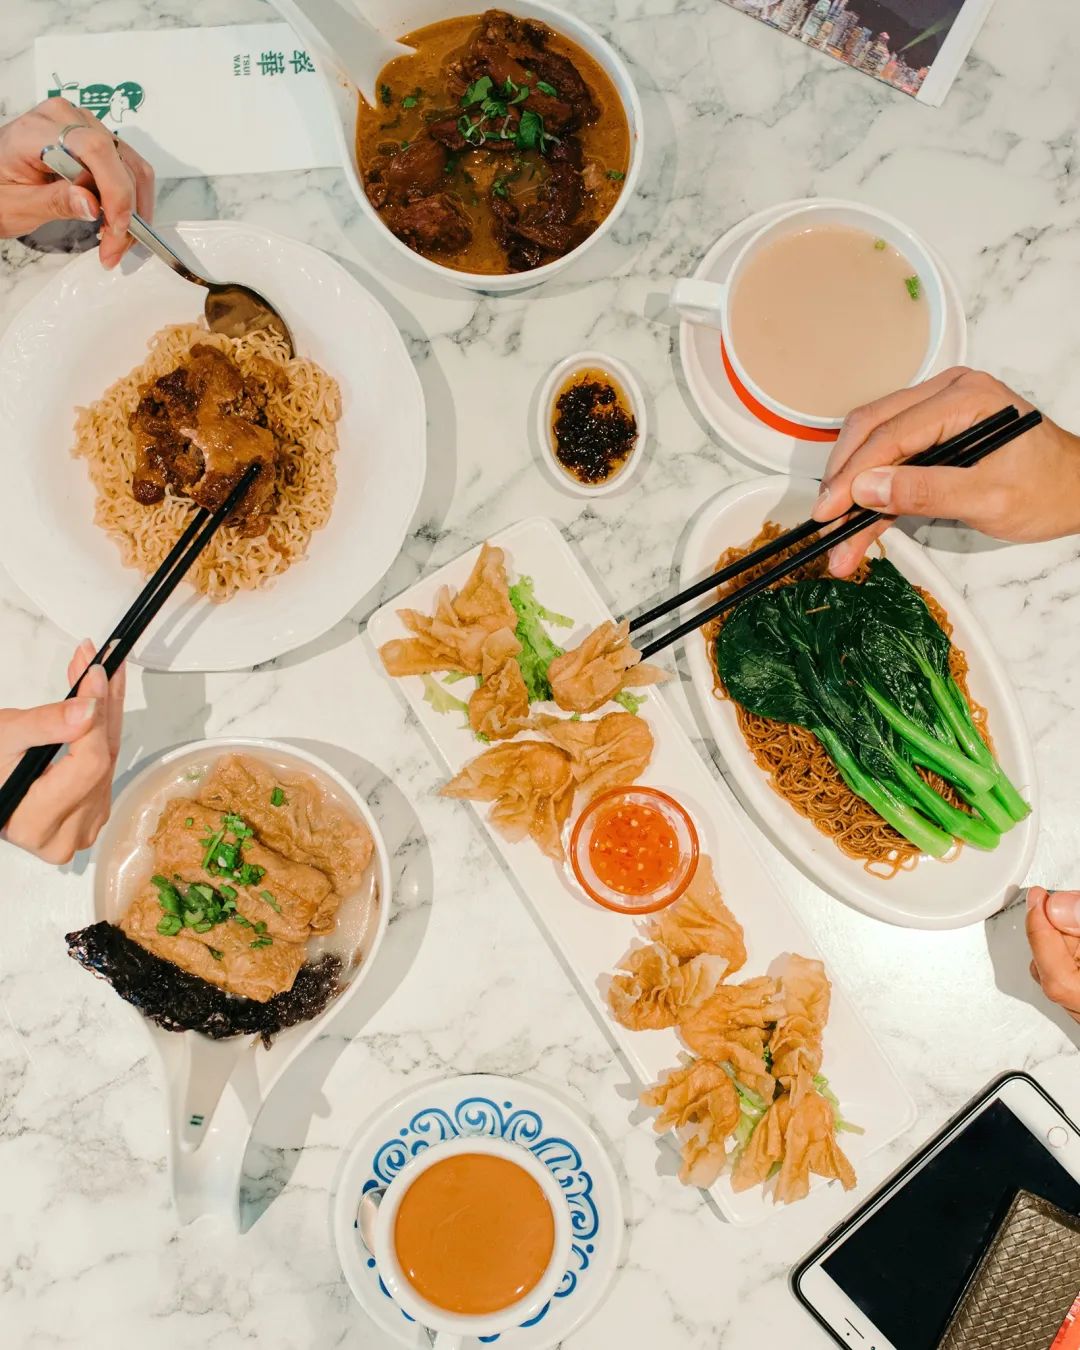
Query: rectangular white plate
[592, 939]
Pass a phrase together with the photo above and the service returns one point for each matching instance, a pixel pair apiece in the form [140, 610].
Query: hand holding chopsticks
[961, 451]
[126, 634]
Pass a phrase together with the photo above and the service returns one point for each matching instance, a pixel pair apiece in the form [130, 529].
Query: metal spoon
[231, 309]
[367, 1213]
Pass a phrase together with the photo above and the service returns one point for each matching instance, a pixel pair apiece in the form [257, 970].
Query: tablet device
[890, 1276]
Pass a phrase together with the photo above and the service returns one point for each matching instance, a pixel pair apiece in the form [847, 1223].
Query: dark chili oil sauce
[593, 428]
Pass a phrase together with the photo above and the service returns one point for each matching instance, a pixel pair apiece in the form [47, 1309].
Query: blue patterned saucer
[507, 1108]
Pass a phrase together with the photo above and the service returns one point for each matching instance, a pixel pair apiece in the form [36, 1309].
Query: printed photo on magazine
[917, 46]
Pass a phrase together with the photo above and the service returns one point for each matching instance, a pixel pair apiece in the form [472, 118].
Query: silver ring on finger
[66, 131]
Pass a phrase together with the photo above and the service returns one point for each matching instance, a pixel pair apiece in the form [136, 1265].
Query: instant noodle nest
[303, 417]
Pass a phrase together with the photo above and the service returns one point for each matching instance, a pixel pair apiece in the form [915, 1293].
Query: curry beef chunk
[409, 189]
[197, 429]
[438, 223]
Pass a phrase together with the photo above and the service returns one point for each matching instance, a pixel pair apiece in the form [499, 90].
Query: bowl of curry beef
[507, 144]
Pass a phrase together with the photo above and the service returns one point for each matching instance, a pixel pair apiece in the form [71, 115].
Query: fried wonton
[810, 1145]
[699, 1102]
[765, 1148]
[499, 708]
[611, 751]
[795, 1043]
[732, 1026]
[701, 922]
[799, 1132]
[532, 788]
[453, 637]
[601, 666]
[651, 989]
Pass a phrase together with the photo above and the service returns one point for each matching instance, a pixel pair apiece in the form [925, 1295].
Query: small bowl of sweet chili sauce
[634, 850]
[591, 423]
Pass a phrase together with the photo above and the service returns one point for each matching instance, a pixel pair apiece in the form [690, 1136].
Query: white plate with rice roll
[242, 891]
[121, 416]
[795, 790]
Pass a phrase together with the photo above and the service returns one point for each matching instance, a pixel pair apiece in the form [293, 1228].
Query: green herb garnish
[880, 245]
[249, 874]
[386, 94]
[499, 188]
[268, 897]
[214, 953]
[411, 100]
[477, 91]
[616, 175]
[631, 702]
[277, 797]
[914, 287]
[169, 925]
[546, 88]
[189, 822]
[261, 942]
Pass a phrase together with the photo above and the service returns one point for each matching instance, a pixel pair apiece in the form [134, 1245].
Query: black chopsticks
[960, 452]
[114, 651]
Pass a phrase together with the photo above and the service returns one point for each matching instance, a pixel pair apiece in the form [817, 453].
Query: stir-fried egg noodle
[302, 415]
[797, 764]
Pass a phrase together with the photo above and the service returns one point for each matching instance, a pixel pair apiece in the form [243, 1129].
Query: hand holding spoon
[231, 309]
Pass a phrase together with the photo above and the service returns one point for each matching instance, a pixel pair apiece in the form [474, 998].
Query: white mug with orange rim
[453, 1328]
[709, 302]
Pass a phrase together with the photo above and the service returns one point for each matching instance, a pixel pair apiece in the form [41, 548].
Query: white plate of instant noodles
[347, 415]
[848, 852]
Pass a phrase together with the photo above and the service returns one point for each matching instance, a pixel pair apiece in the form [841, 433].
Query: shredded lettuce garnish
[442, 700]
[751, 1109]
[537, 649]
[842, 1126]
[631, 702]
[452, 676]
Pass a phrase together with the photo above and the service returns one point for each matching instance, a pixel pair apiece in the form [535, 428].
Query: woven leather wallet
[1025, 1284]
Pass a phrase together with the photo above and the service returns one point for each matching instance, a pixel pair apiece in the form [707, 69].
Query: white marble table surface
[738, 117]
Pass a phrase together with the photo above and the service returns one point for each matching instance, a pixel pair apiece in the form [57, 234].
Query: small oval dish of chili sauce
[592, 423]
[634, 850]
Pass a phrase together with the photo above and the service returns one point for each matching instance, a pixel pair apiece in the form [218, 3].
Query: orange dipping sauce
[634, 849]
[474, 1234]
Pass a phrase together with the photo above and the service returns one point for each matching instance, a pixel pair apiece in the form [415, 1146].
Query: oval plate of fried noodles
[347, 422]
[791, 787]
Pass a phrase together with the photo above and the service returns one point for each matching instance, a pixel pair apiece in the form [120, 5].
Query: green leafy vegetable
[214, 953]
[546, 88]
[386, 94]
[616, 175]
[499, 188]
[537, 648]
[277, 797]
[189, 822]
[914, 287]
[269, 898]
[865, 668]
[442, 700]
[630, 701]
[411, 100]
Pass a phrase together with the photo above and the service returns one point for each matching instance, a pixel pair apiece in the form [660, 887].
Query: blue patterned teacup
[452, 1327]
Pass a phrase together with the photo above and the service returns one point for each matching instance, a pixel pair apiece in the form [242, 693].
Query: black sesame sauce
[593, 428]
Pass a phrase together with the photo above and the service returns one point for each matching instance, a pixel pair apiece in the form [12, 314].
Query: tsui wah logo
[109, 102]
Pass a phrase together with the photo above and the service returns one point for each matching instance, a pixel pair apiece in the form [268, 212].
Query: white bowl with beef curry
[502, 149]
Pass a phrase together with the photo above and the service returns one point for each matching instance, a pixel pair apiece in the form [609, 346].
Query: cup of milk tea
[825, 308]
[473, 1238]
